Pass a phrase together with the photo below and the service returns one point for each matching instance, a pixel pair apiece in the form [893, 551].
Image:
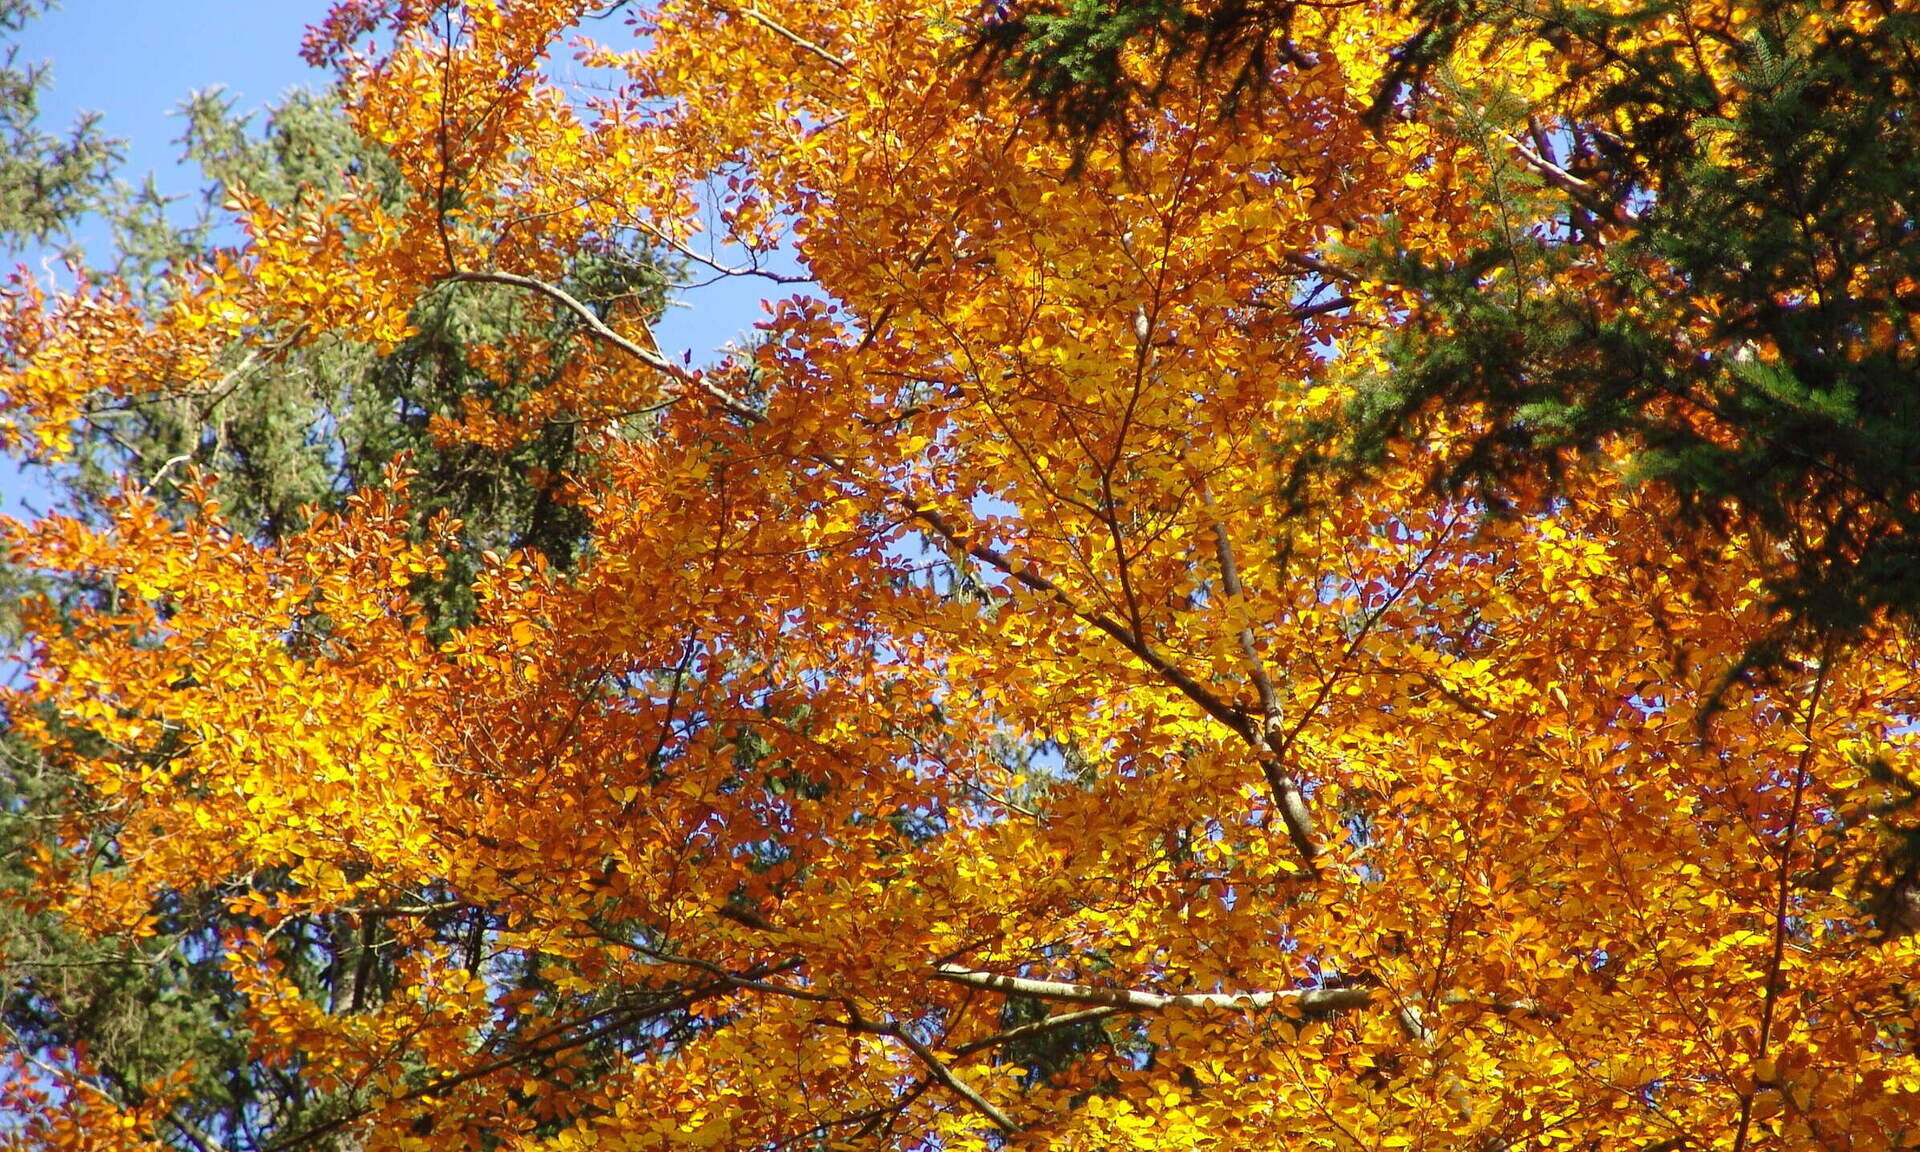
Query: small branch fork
[935, 1068]
[750, 12]
[1260, 735]
[1286, 790]
[1287, 795]
[1582, 191]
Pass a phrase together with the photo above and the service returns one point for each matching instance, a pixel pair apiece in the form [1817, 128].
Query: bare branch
[785, 33]
[958, 1086]
[1036, 1028]
[1307, 1001]
[1782, 901]
[1287, 796]
[1321, 307]
[939, 1070]
[1208, 701]
[647, 356]
[1585, 192]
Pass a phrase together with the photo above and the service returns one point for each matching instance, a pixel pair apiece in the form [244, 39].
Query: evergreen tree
[48, 180]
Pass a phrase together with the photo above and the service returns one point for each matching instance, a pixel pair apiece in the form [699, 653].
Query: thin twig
[1771, 998]
[786, 33]
[1036, 1028]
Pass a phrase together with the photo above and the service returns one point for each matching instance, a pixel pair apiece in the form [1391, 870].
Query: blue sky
[135, 61]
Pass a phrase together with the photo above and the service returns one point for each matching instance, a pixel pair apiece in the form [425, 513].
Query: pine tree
[48, 180]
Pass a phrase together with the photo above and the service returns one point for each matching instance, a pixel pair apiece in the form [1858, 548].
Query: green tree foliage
[48, 180]
[1750, 329]
[1068, 57]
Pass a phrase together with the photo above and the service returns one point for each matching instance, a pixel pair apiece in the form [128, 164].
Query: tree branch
[958, 1086]
[785, 33]
[1771, 997]
[1307, 1001]
[1209, 702]
[1287, 796]
[1584, 192]
[647, 356]
[939, 1070]
[1036, 1028]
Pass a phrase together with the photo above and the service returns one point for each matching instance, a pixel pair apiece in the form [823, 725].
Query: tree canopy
[970, 716]
[285, 435]
[1702, 247]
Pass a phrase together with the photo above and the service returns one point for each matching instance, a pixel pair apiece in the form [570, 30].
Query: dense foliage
[1703, 245]
[972, 716]
[285, 433]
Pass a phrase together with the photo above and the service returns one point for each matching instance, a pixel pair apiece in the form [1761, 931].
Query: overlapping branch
[1262, 734]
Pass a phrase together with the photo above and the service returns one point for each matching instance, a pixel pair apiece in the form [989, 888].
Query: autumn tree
[285, 433]
[956, 668]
